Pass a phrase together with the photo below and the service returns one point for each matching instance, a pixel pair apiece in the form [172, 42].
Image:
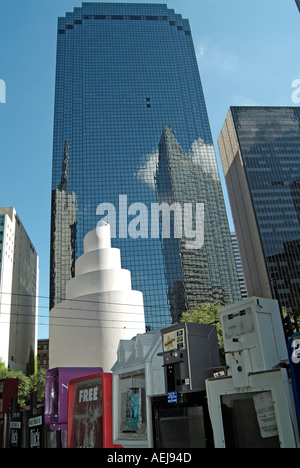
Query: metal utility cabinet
[180, 415]
[253, 407]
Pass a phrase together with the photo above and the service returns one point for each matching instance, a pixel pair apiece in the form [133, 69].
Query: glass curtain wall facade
[239, 265]
[260, 151]
[125, 73]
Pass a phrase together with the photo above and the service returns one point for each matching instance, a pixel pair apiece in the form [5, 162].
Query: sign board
[172, 397]
[174, 339]
[15, 436]
[294, 359]
[35, 426]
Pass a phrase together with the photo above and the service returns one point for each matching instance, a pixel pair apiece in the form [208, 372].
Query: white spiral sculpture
[100, 310]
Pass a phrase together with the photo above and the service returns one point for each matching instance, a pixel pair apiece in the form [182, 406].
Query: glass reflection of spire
[63, 186]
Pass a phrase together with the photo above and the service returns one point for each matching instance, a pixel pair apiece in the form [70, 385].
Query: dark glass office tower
[260, 151]
[129, 108]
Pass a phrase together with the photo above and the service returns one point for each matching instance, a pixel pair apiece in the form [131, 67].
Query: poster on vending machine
[133, 408]
[265, 413]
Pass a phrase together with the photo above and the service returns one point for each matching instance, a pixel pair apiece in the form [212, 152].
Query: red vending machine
[90, 412]
[8, 389]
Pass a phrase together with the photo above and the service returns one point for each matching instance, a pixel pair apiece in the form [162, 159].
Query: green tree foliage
[207, 313]
[37, 383]
[31, 367]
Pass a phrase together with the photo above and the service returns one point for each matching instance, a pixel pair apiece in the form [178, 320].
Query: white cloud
[201, 154]
[147, 172]
[214, 58]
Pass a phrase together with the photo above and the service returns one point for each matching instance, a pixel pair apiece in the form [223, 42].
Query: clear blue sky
[248, 54]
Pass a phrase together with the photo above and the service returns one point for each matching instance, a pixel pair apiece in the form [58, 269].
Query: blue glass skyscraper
[131, 128]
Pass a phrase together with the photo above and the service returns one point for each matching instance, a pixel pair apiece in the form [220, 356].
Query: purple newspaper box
[56, 393]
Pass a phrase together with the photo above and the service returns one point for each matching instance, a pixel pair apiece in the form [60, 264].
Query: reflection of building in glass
[285, 273]
[124, 71]
[63, 234]
[260, 148]
[298, 4]
[239, 265]
[203, 250]
[295, 191]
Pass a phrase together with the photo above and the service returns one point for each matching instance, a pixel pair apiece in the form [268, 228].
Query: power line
[73, 300]
[74, 326]
[72, 318]
[112, 311]
[66, 317]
